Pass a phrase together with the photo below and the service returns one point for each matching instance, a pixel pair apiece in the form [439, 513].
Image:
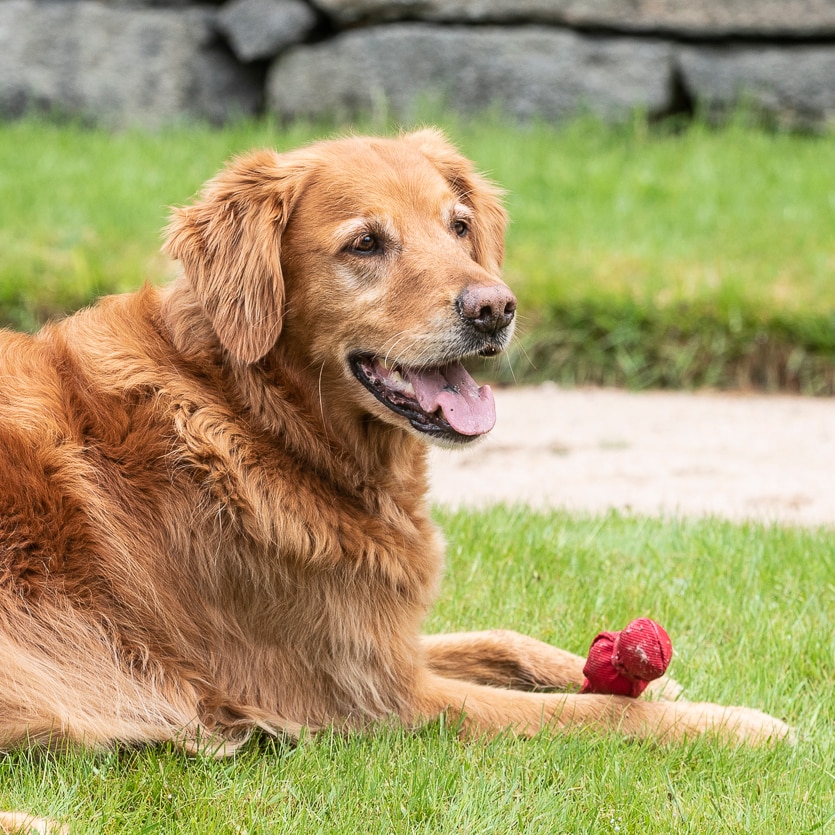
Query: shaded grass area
[621, 342]
[749, 609]
[642, 256]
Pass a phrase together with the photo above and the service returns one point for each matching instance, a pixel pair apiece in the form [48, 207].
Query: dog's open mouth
[445, 401]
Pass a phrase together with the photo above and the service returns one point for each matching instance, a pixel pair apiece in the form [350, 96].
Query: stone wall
[150, 62]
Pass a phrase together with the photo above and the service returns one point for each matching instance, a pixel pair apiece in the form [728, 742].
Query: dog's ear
[473, 189]
[229, 243]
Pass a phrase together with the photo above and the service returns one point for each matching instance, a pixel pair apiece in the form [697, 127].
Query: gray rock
[170, 4]
[263, 28]
[527, 72]
[702, 17]
[794, 83]
[117, 65]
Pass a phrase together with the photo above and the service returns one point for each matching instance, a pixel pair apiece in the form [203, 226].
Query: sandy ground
[770, 458]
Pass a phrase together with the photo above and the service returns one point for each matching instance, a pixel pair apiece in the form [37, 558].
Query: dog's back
[79, 469]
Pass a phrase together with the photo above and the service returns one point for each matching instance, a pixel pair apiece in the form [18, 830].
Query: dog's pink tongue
[468, 408]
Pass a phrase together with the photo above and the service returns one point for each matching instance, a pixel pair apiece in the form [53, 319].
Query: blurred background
[669, 165]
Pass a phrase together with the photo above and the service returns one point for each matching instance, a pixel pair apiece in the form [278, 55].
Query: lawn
[750, 611]
[642, 256]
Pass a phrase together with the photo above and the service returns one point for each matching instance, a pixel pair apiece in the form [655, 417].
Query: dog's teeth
[394, 378]
[400, 382]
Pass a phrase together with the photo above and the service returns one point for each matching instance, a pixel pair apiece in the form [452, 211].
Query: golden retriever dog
[213, 496]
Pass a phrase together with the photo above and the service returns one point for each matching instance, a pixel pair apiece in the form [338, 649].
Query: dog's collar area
[443, 402]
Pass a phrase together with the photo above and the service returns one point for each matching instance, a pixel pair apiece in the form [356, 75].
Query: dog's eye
[366, 244]
[461, 228]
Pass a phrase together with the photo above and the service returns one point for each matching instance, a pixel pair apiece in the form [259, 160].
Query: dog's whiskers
[321, 399]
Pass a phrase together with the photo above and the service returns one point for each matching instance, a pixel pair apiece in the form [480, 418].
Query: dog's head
[373, 262]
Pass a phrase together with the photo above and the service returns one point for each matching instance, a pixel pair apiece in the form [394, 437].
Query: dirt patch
[769, 458]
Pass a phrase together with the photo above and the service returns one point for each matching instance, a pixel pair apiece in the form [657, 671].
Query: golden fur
[209, 524]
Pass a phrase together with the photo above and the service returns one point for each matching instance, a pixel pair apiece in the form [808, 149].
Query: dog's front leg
[483, 710]
[503, 658]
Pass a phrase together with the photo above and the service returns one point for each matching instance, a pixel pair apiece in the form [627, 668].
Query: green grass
[702, 257]
[81, 210]
[642, 256]
[750, 610]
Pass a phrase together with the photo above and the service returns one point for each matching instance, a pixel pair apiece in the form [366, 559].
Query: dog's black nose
[488, 308]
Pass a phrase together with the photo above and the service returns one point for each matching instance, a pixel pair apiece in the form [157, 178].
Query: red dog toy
[623, 663]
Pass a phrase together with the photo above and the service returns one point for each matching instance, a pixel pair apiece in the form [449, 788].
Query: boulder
[526, 72]
[689, 17]
[692, 17]
[794, 83]
[159, 4]
[118, 65]
[263, 28]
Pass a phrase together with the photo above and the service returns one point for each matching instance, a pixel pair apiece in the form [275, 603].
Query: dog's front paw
[745, 724]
